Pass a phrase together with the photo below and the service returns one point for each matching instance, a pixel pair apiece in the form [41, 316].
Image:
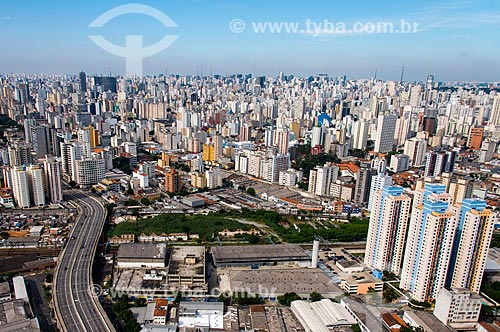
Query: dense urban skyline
[250, 166]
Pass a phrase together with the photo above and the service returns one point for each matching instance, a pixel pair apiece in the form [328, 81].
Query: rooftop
[141, 250]
[187, 261]
[322, 315]
[273, 282]
[258, 253]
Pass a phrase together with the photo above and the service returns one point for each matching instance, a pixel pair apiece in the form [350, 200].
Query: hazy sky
[456, 40]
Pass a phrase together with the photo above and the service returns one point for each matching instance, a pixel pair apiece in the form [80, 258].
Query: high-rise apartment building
[363, 183]
[37, 189]
[447, 244]
[20, 186]
[429, 245]
[438, 162]
[389, 218]
[416, 148]
[89, 171]
[172, 181]
[53, 177]
[377, 182]
[323, 177]
[386, 127]
[471, 244]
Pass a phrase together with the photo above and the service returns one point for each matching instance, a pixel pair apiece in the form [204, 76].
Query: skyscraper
[495, 112]
[324, 176]
[438, 162]
[37, 190]
[172, 181]
[471, 244]
[377, 182]
[363, 183]
[19, 154]
[447, 244]
[83, 82]
[53, 176]
[430, 242]
[20, 186]
[386, 127]
[360, 134]
[416, 148]
[386, 238]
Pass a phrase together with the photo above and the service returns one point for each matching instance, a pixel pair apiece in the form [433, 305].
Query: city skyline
[53, 38]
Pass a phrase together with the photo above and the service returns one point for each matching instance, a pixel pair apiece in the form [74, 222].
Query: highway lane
[77, 308]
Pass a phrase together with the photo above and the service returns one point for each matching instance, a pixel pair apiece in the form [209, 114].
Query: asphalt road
[77, 307]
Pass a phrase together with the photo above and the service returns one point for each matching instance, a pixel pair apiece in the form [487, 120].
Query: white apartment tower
[89, 171]
[20, 186]
[447, 244]
[389, 218]
[53, 177]
[37, 189]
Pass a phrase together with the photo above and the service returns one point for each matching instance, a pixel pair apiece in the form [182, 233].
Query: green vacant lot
[207, 225]
[203, 225]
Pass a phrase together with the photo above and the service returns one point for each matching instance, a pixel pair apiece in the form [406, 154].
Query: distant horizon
[454, 40]
[116, 75]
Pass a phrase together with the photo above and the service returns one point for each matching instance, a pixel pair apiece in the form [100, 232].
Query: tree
[409, 328]
[178, 297]
[356, 328]
[388, 276]
[49, 278]
[140, 302]
[252, 238]
[390, 295]
[303, 185]
[315, 297]
[244, 298]
[145, 201]
[251, 191]
[288, 298]
[357, 153]
[123, 164]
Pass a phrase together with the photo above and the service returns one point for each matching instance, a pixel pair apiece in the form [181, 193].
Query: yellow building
[208, 152]
[94, 137]
[198, 180]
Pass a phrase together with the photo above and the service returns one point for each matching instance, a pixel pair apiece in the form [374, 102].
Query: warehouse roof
[258, 253]
[322, 315]
[142, 250]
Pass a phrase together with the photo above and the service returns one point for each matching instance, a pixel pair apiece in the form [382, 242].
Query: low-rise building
[458, 308]
[160, 312]
[201, 316]
[227, 233]
[141, 255]
[260, 255]
[186, 270]
[425, 320]
[322, 316]
[124, 238]
[5, 292]
[16, 315]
